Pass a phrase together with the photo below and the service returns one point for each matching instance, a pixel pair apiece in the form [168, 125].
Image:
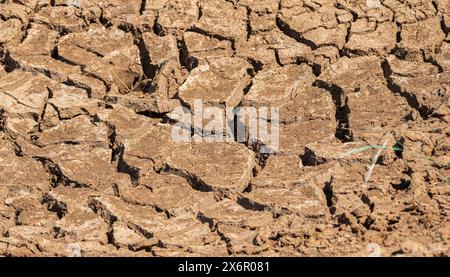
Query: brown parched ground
[88, 166]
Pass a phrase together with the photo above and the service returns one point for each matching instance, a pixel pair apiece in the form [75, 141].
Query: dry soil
[88, 167]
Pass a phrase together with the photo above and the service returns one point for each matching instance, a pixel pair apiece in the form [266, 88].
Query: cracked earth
[88, 167]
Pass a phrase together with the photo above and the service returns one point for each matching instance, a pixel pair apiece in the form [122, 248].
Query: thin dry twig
[374, 160]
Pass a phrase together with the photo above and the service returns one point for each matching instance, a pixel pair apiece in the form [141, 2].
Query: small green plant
[398, 147]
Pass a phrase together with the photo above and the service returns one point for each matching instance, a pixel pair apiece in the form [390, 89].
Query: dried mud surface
[87, 166]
